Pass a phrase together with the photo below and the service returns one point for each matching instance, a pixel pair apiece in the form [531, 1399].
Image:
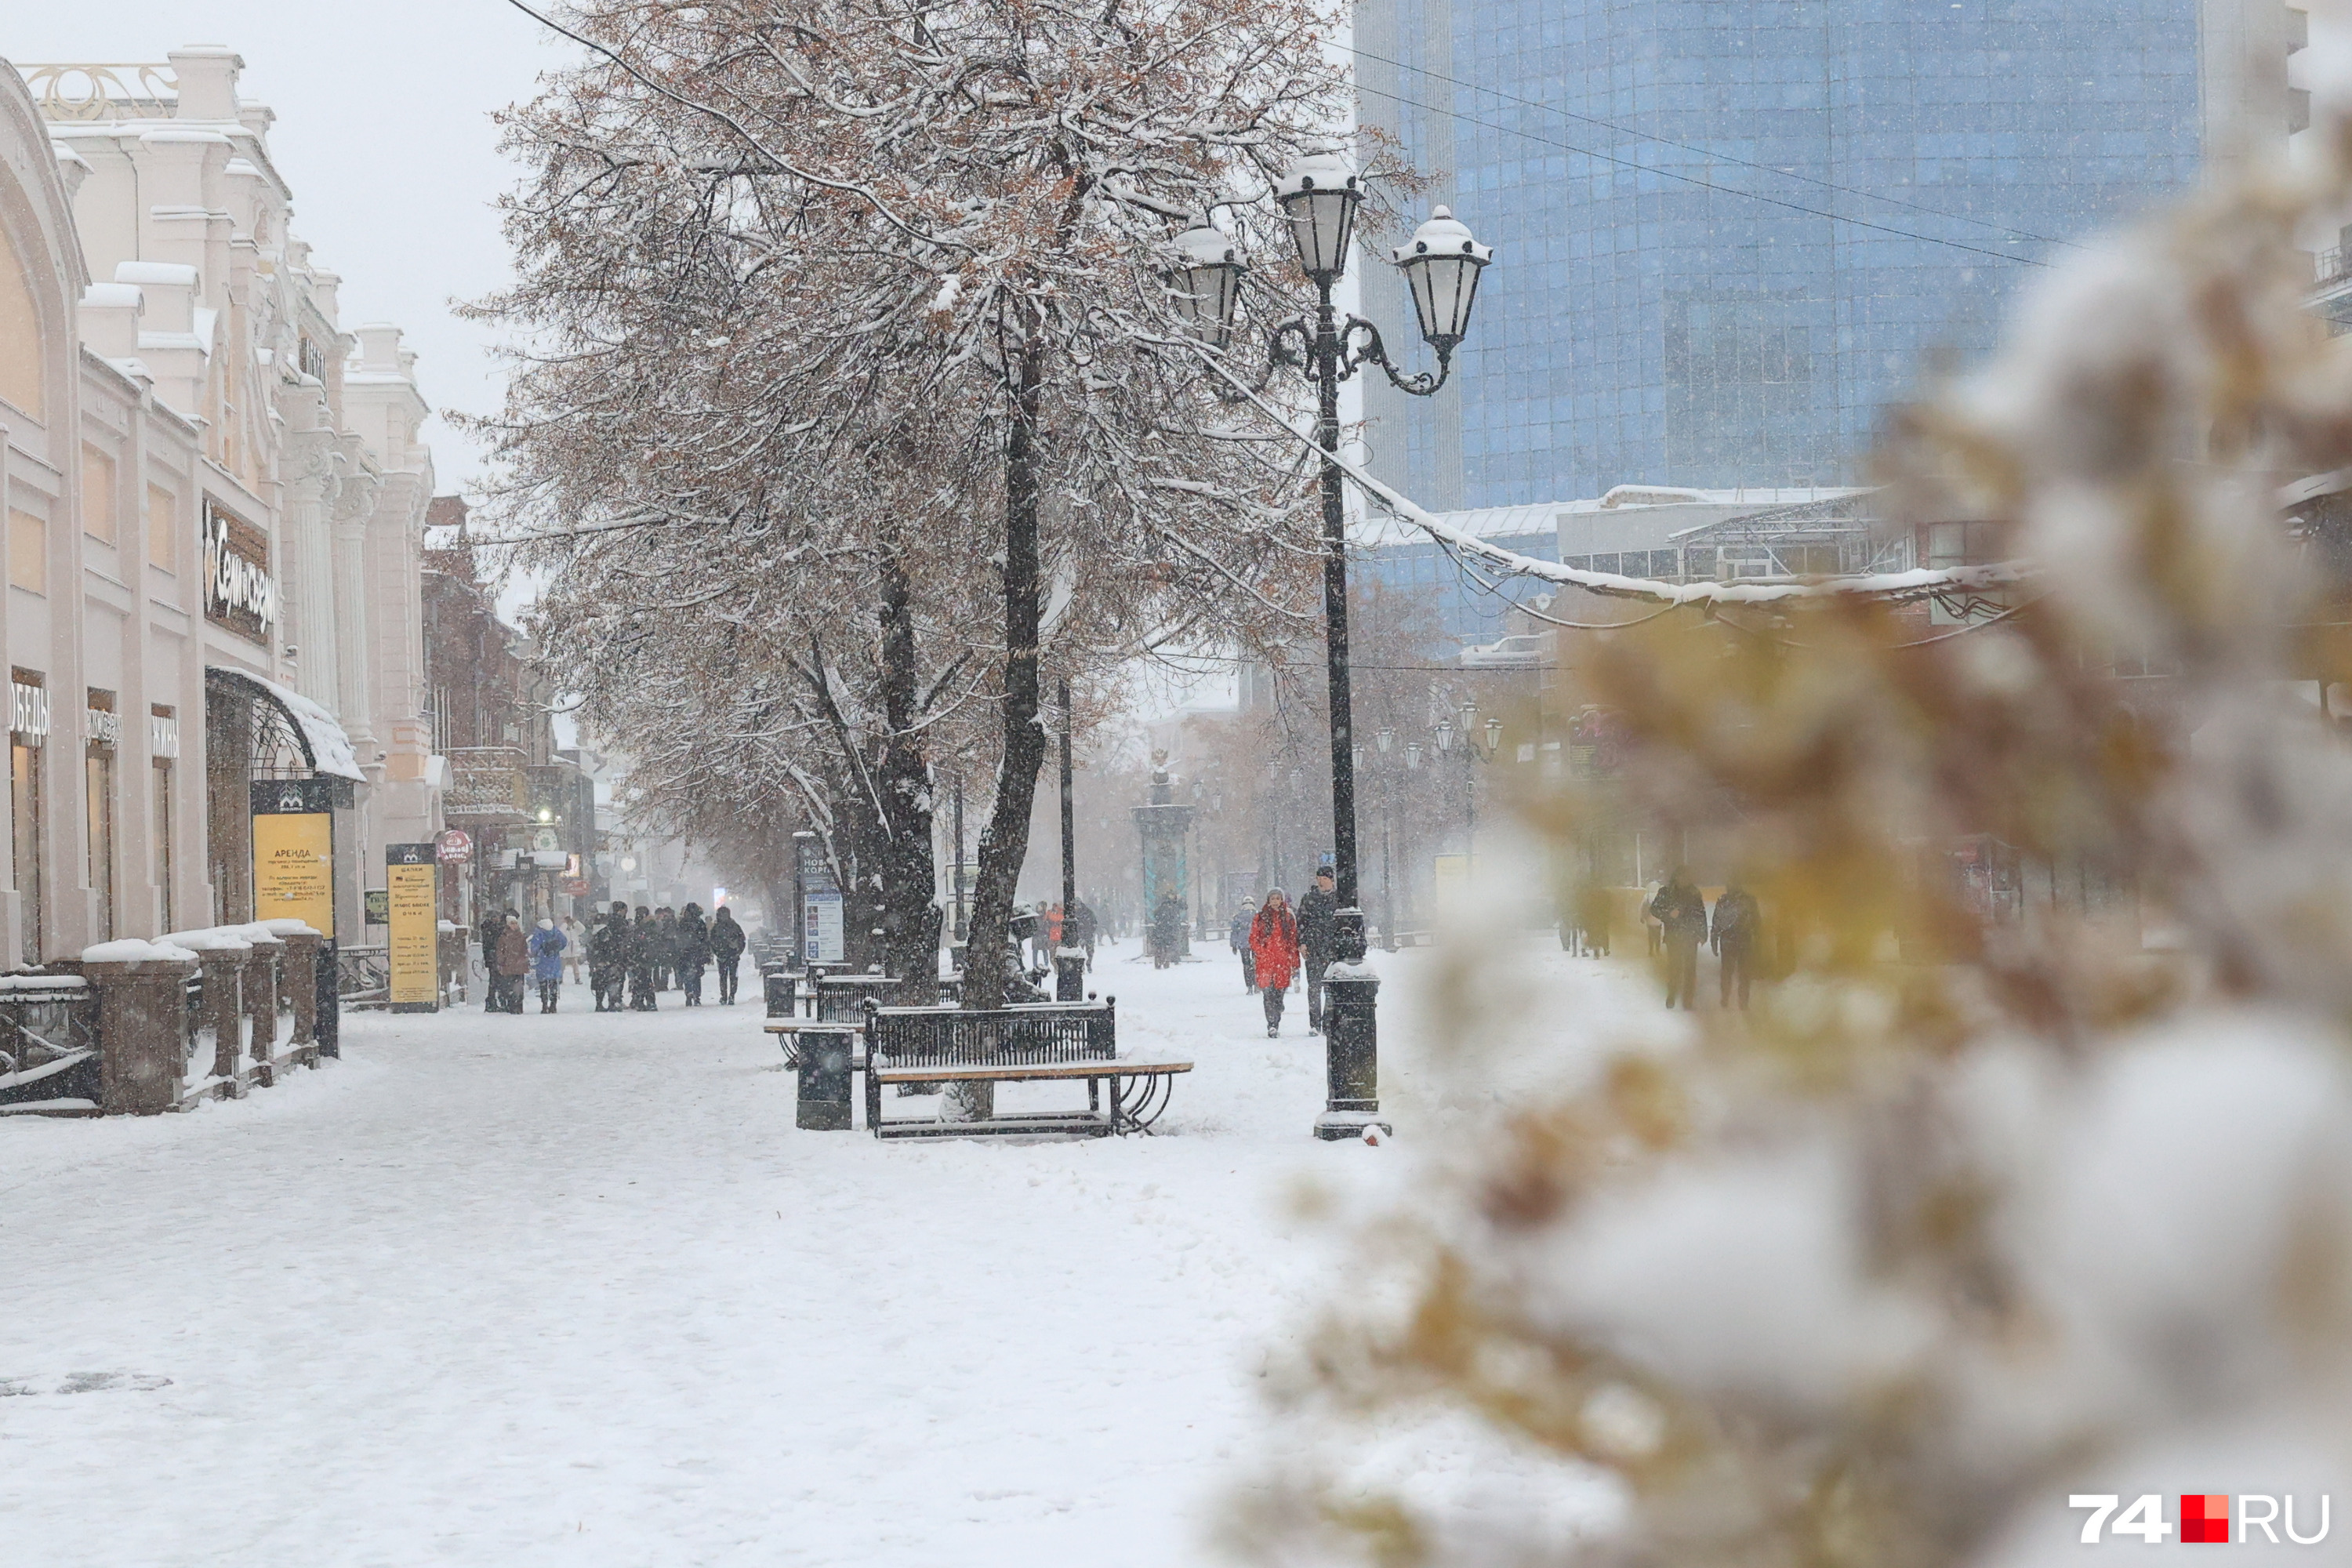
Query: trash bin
[778, 986]
[822, 1059]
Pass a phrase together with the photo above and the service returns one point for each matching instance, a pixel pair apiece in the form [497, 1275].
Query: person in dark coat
[643, 940]
[1732, 932]
[689, 948]
[1317, 921]
[1237, 937]
[547, 945]
[494, 995]
[664, 947]
[1081, 927]
[514, 963]
[727, 951]
[1274, 937]
[1167, 930]
[1681, 914]
[608, 958]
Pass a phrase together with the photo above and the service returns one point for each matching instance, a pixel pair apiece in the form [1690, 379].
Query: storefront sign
[456, 846]
[375, 905]
[239, 592]
[411, 878]
[294, 852]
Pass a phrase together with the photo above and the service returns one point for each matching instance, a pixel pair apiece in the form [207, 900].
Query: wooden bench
[1026, 1043]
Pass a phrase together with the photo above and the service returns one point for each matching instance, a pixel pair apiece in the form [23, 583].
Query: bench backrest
[1025, 1034]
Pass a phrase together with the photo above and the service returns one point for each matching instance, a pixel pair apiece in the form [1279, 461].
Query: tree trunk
[911, 912]
[1004, 840]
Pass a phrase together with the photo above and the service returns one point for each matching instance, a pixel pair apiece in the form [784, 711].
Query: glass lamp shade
[1387, 739]
[1204, 276]
[1412, 754]
[1445, 734]
[1319, 196]
[1494, 734]
[1441, 266]
[1469, 717]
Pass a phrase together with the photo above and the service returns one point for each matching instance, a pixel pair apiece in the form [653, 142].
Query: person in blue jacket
[547, 945]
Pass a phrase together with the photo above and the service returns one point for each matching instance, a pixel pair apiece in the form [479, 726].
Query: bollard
[143, 1033]
[780, 989]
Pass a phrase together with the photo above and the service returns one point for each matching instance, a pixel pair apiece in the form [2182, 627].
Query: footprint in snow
[82, 1382]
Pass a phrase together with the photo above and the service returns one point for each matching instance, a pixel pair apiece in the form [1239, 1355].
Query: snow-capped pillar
[142, 1025]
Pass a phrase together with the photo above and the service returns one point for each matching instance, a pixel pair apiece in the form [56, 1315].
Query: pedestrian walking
[1319, 914]
[726, 951]
[608, 958]
[1237, 937]
[1167, 930]
[548, 946]
[514, 963]
[665, 949]
[1681, 914]
[1082, 928]
[1592, 914]
[493, 995]
[689, 945]
[1274, 939]
[575, 948]
[641, 951]
[1731, 932]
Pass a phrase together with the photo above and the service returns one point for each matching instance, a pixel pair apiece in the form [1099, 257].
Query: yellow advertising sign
[409, 876]
[294, 869]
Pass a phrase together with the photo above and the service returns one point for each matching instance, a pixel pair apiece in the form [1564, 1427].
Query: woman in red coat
[1274, 941]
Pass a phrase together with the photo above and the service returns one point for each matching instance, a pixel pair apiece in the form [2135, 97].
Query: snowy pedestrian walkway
[572, 1290]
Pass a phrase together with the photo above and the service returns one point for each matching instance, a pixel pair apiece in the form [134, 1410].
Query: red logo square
[2205, 1518]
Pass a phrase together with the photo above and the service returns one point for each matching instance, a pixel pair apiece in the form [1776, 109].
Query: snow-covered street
[574, 1290]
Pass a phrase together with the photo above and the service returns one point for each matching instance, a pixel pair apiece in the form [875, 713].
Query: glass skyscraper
[1729, 234]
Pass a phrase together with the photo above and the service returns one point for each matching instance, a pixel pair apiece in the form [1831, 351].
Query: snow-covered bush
[1885, 1271]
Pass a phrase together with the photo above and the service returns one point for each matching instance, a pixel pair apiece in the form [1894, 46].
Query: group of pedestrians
[640, 956]
[1729, 929]
[1280, 946]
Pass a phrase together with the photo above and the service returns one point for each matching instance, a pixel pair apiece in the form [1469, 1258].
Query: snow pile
[286, 925]
[136, 950]
[210, 938]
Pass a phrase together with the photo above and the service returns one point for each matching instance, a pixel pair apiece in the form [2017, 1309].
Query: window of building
[20, 336]
[165, 725]
[28, 553]
[162, 537]
[96, 494]
[98, 783]
[29, 725]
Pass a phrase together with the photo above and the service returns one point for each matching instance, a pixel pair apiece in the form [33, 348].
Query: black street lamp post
[1442, 262]
[1069, 958]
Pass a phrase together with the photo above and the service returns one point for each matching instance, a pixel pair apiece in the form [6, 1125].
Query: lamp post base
[1337, 1126]
[1351, 1041]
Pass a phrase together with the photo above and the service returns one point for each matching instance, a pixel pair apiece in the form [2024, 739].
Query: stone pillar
[221, 1006]
[300, 968]
[260, 977]
[143, 1033]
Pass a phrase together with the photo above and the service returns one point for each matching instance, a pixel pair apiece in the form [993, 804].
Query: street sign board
[455, 847]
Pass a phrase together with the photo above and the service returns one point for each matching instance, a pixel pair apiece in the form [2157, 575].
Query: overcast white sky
[383, 131]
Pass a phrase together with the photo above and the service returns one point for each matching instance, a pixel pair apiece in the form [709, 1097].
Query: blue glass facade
[1641, 327]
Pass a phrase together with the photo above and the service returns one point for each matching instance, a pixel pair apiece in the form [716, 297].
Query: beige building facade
[214, 498]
